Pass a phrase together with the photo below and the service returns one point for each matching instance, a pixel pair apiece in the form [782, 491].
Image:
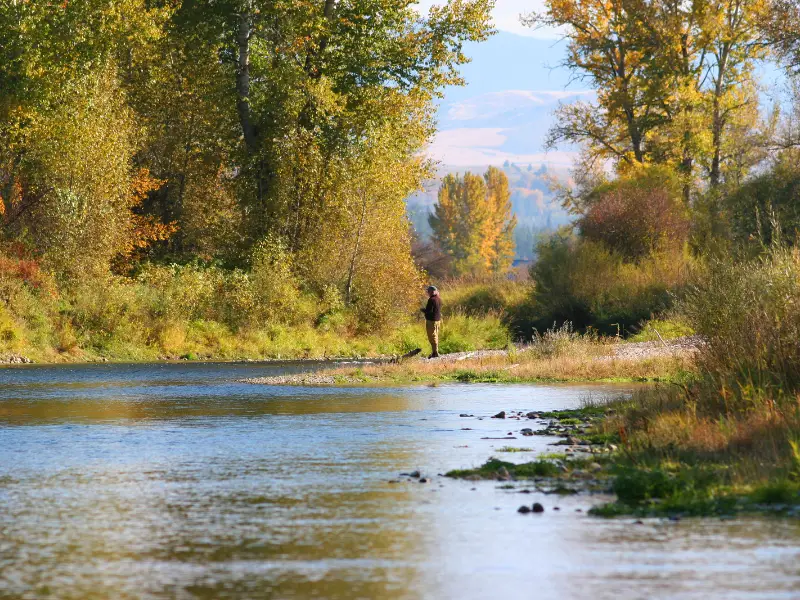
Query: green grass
[494, 468]
[668, 329]
[513, 449]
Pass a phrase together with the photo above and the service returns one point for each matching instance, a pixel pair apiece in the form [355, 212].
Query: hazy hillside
[531, 199]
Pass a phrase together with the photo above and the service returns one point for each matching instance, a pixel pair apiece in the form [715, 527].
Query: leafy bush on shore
[584, 283]
[206, 311]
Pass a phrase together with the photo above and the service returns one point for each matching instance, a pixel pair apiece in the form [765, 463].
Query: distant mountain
[501, 118]
[496, 127]
[531, 199]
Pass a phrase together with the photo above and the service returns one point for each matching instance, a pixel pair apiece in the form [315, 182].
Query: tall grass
[735, 429]
[208, 312]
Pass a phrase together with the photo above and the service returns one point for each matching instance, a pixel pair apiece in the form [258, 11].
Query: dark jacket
[433, 311]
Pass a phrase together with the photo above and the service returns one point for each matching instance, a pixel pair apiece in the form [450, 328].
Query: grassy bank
[203, 312]
[557, 356]
[728, 439]
[660, 458]
[212, 340]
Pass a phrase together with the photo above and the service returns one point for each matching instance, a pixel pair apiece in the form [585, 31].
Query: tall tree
[472, 222]
[674, 80]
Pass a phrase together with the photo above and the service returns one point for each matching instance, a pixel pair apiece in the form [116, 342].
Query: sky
[513, 86]
[506, 15]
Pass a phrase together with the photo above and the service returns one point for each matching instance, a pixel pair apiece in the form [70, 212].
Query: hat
[432, 288]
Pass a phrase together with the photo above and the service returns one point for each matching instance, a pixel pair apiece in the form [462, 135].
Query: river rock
[538, 508]
[524, 509]
[500, 415]
[527, 431]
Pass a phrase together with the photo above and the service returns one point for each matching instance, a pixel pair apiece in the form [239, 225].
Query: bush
[487, 297]
[749, 312]
[766, 210]
[584, 283]
[638, 216]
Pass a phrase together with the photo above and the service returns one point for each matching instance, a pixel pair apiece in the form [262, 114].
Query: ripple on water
[175, 481]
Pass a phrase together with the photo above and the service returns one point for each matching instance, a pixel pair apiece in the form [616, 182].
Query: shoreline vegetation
[653, 469]
[556, 357]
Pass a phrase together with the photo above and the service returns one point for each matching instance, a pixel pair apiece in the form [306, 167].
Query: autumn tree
[781, 25]
[674, 81]
[472, 222]
[69, 185]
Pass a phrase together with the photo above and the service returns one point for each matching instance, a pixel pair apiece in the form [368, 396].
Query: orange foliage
[145, 229]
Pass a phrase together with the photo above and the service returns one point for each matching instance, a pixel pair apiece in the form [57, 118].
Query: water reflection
[183, 483]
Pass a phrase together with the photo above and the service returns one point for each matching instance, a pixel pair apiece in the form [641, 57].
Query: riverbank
[576, 359]
[214, 341]
[621, 448]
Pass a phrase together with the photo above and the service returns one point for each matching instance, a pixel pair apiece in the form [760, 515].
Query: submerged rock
[500, 415]
[524, 509]
[538, 508]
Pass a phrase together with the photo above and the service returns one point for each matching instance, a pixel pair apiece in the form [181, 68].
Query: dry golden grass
[667, 425]
[577, 361]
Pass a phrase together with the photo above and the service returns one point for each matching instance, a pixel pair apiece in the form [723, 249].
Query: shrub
[639, 215]
[766, 210]
[274, 286]
[750, 314]
[484, 297]
[584, 283]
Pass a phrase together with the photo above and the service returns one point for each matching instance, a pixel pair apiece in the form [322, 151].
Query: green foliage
[494, 468]
[764, 211]
[667, 329]
[584, 283]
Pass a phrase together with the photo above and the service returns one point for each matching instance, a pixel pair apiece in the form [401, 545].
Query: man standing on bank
[433, 319]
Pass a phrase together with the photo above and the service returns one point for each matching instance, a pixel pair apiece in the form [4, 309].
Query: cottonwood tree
[472, 222]
[674, 81]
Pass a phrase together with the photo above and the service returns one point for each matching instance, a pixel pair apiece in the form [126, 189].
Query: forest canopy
[242, 133]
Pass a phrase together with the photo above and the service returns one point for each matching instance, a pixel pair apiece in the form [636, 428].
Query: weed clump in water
[495, 468]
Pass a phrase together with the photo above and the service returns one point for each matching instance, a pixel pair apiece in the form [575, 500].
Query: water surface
[176, 481]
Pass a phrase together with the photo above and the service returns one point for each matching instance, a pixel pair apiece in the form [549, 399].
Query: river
[177, 481]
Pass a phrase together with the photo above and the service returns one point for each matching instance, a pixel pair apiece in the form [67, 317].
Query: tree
[781, 25]
[472, 222]
[638, 215]
[674, 81]
[71, 190]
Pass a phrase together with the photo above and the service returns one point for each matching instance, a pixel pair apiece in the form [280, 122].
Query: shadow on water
[177, 481]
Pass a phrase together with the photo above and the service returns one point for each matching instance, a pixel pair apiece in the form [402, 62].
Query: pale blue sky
[513, 85]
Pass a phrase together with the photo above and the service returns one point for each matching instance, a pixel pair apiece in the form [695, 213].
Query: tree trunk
[717, 122]
[349, 289]
[243, 82]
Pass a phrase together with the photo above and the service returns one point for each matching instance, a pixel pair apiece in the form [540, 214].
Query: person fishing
[433, 319]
